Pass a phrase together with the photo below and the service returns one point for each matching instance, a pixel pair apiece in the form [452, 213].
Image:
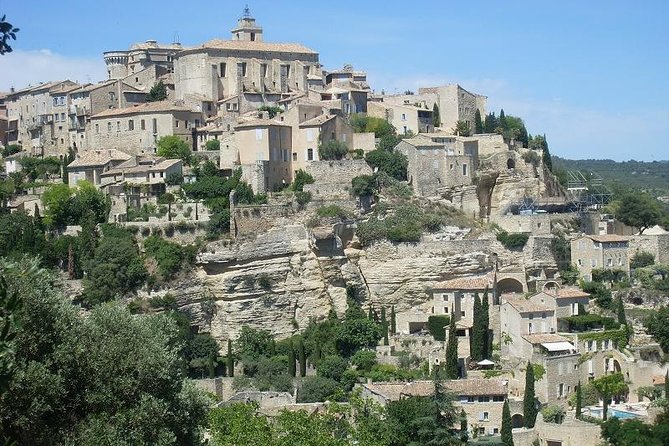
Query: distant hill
[652, 177]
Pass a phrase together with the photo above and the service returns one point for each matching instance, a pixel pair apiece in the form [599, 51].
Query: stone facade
[406, 118]
[332, 179]
[140, 56]
[456, 104]
[656, 244]
[600, 251]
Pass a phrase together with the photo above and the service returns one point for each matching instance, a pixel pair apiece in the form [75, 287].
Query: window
[464, 169]
[310, 154]
[620, 261]
[445, 297]
[155, 125]
[481, 430]
[609, 262]
[495, 430]
[222, 69]
[263, 70]
[109, 127]
[294, 156]
[97, 128]
[531, 316]
[498, 398]
[310, 135]
[593, 262]
[530, 329]
[580, 262]
[462, 313]
[470, 399]
[445, 310]
[62, 116]
[258, 134]
[404, 117]
[131, 125]
[142, 124]
[118, 126]
[176, 123]
[112, 96]
[560, 390]
[484, 399]
[241, 69]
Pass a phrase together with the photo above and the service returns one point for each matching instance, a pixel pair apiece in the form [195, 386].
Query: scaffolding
[587, 192]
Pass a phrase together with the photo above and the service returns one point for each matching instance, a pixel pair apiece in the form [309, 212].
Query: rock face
[281, 281]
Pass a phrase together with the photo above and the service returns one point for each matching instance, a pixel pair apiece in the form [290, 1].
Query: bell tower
[247, 29]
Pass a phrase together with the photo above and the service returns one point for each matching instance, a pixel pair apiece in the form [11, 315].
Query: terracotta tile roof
[247, 45]
[317, 121]
[466, 283]
[260, 123]
[93, 158]
[567, 293]
[523, 305]
[420, 141]
[149, 107]
[608, 238]
[544, 338]
[463, 387]
[138, 164]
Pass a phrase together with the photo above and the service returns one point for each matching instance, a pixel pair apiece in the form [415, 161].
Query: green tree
[666, 384]
[477, 340]
[579, 400]
[639, 210]
[451, 366]
[530, 399]
[240, 424]
[301, 178]
[478, 122]
[252, 343]
[213, 144]
[657, 325]
[490, 123]
[507, 435]
[11, 149]
[332, 150]
[436, 117]
[620, 309]
[291, 361]
[157, 93]
[302, 357]
[390, 162]
[393, 322]
[462, 128]
[230, 361]
[384, 326]
[632, 432]
[485, 325]
[464, 432]
[610, 386]
[642, 259]
[317, 388]
[173, 147]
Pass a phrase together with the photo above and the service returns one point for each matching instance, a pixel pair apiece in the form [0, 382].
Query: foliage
[553, 414]
[363, 186]
[252, 343]
[589, 395]
[436, 117]
[302, 198]
[94, 378]
[513, 241]
[651, 392]
[506, 433]
[239, 424]
[380, 127]
[642, 259]
[317, 388]
[462, 128]
[532, 158]
[301, 178]
[600, 293]
[115, 270]
[578, 400]
[364, 360]
[170, 256]
[451, 367]
[72, 206]
[333, 210]
[436, 325]
[530, 399]
[213, 144]
[608, 275]
[11, 149]
[638, 210]
[634, 432]
[332, 150]
[174, 147]
[609, 386]
[157, 93]
[40, 168]
[478, 122]
[588, 322]
[390, 162]
[657, 325]
[272, 110]
[356, 333]
[619, 337]
[332, 367]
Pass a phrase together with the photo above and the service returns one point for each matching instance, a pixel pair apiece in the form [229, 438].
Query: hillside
[650, 176]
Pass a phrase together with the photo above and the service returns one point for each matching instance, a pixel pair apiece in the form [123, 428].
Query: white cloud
[21, 68]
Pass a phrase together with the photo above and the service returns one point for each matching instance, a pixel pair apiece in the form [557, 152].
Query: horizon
[579, 61]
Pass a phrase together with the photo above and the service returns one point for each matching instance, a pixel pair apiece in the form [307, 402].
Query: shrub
[599, 293]
[588, 322]
[531, 157]
[363, 185]
[11, 149]
[302, 198]
[391, 163]
[642, 259]
[332, 211]
[213, 144]
[264, 282]
[513, 241]
[553, 414]
[332, 150]
[364, 360]
[332, 367]
[317, 388]
[301, 178]
[436, 325]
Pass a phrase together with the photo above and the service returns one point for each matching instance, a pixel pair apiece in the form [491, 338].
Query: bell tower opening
[247, 29]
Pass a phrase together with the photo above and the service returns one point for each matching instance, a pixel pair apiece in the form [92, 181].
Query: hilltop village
[371, 241]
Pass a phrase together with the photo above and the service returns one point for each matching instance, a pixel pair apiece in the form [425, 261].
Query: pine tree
[393, 321]
[157, 93]
[302, 358]
[478, 122]
[485, 324]
[546, 155]
[384, 326]
[436, 118]
[476, 347]
[230, 361]
[451, 367]
[490, 123]
[620, 307]
[579, 400]
[291, 360]
[507, 435]
[529, 401]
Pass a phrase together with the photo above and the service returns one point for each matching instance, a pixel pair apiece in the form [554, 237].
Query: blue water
[621, 414]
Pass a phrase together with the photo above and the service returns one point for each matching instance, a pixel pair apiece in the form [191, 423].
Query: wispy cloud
[21, 68]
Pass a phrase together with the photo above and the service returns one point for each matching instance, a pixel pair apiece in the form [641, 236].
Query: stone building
[655, 241]
[520, 317]
[136, 130]
[406, 118]
[456, 104]
[481, 399]
[565, 301]
[38, 118]
[590, 252]
[433, 164]
[90, 165]
[141, 173]
[245, 72]
[139, 57]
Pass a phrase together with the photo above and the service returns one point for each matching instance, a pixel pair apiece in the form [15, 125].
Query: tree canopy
[175, 148]
[157, 93]
[638, 210]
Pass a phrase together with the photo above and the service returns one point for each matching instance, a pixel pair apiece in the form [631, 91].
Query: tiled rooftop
[93, 158]
[523, 305]
[466, 283]
[394, 391]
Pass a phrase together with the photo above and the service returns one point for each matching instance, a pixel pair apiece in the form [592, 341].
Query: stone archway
[509, 285]
[517, 420]
[510, 163]
[551, 286]
[616, 366]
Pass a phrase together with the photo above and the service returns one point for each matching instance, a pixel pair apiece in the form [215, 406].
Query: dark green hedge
[437, 326]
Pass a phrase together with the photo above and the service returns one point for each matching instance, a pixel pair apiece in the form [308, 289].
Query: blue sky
[592, 75]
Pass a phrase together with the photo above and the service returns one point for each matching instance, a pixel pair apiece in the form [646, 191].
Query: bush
[642, 259]
[332, 150]
[364, 360]
[317, 388]
[363, 185]
[301, 178]
[332, 211]
[302, 198]
[436, 325]
[174, 179]
[392, 163]
[588, 322]
[513, 241]
[213, 144]
[169, 256]
[264, 282]
[531, 157]
[11, 149]
[332, 367]
[553, 414]
[599, 293]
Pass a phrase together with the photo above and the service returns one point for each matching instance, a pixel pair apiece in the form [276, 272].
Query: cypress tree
[666, 385]
[478, 122]
[291, 360]
[485, 324]
[507, 435]
[451, 367]
[502, 120]
[230, 361]
[490, 123]
[463, 426]
[529, 401]
[579, 400]
[476, 347]
[393, 322]
[211, 368]
[302, 358]
[384, 326]
[622, 319]
[436, 118]
[370, 313]
[317, 354]
[70, 262]
[546, 155]
[37, 219]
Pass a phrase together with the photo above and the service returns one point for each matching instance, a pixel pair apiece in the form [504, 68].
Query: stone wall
[181, 232]
[365, 141]
[332, 179]
[536, 224]
[250, 220]
[658, 245]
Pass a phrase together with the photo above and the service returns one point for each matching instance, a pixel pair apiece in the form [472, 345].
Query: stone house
[141, 173]
[456, 104]
[520, 317]
[90, 165]
[565, 301]
[137, 129]
[406, 118]
[345, 97]
[347, 74]
[654, 240]
[590, 252]
[13, 162]
[436, 164]
[140, 57]
[246, 70]
[481, 399]
[265, 148]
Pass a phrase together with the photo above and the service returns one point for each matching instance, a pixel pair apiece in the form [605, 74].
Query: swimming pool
[620, 414]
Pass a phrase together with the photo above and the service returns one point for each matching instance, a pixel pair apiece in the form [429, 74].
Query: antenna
[247, 12]
[176, 37]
